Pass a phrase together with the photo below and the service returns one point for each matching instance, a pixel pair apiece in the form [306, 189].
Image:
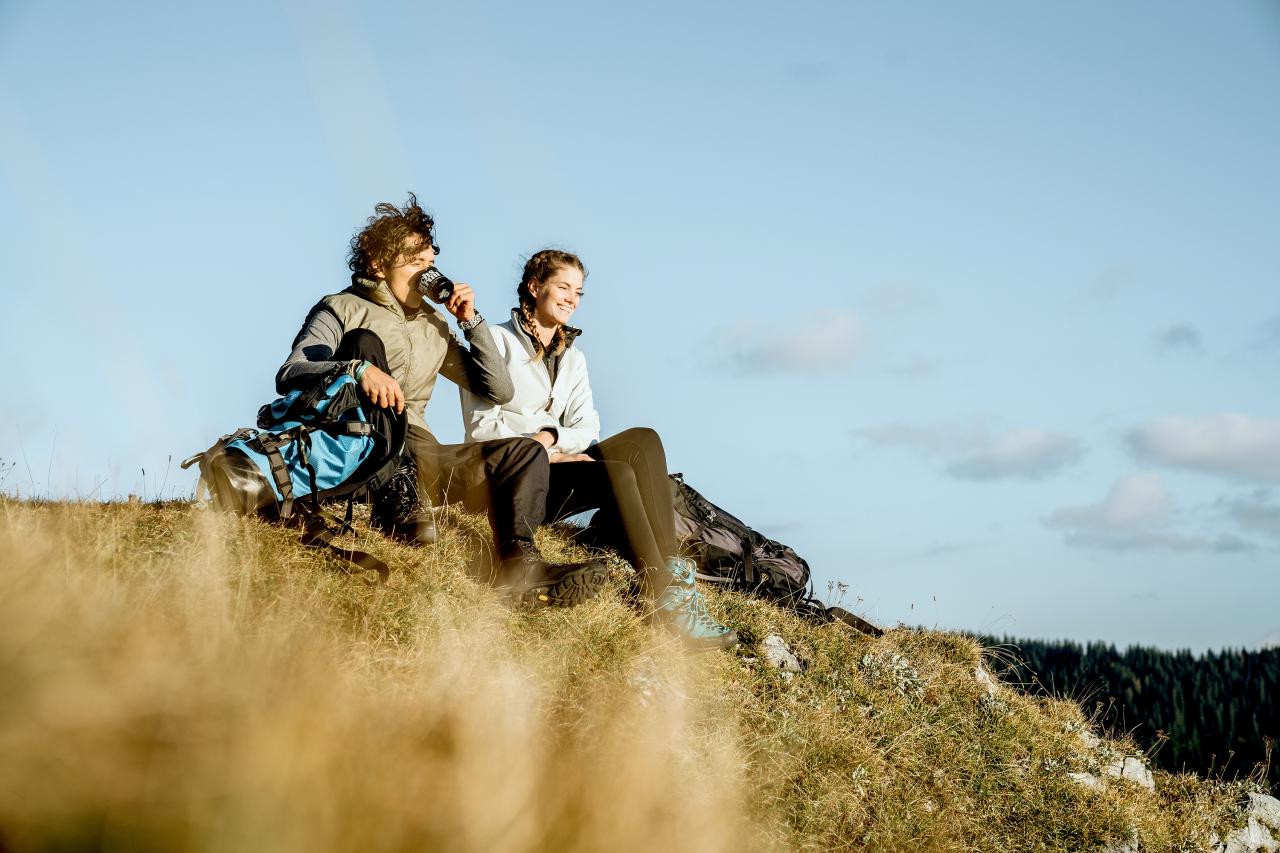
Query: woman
[626, 474]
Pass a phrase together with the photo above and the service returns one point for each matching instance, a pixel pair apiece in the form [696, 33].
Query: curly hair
[540, 267]
[391, 235]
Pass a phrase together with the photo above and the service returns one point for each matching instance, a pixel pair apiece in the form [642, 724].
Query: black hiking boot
[528, 577]
[397, 511]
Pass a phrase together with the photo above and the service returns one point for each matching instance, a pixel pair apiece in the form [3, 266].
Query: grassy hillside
[173, 679]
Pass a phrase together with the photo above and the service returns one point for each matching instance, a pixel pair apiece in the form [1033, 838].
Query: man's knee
[364, 345]
[516, 454]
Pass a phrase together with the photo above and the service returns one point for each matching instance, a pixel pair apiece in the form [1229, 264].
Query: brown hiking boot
[528, 577]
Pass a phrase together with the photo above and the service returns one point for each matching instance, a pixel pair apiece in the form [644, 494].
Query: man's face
[403, 278]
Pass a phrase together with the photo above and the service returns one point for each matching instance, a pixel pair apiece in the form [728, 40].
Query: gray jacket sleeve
[481, 369]
[313, 349]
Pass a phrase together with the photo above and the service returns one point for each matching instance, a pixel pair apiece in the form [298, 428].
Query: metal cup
[435, 285]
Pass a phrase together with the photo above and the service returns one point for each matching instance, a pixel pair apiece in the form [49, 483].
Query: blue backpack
[313, 444]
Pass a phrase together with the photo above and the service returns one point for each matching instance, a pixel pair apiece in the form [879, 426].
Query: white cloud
[972, 450]
[1133, 501]
[1181, 337]
[1030, 454]
[827, 340]
[926, 439]
[1137, 513]
[1255, 512]
[1231, 445]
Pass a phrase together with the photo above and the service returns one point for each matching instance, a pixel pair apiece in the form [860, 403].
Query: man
[395, 345]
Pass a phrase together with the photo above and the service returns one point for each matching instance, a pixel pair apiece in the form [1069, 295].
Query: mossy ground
[174, 679]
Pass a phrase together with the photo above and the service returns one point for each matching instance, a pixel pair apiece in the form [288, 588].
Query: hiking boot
[528, 577]
[681, 610]
[397, 511]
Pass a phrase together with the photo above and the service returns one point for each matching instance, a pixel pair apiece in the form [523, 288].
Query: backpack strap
[346, 520]
[270, 446]
[750, 575]
[316, 533]
[839, 614]
[358, 428]
[304, 456]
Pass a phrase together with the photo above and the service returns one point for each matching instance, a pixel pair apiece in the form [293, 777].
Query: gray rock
[1265, 809]
[985, 680]
[1088, 780]
[1089, 740]
[1129, 845]
[1121, 847]
[779, 655]
[1253, 838]
[1133, 769]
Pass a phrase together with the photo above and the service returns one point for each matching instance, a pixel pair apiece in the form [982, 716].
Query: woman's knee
[622, 477]
[646, 438]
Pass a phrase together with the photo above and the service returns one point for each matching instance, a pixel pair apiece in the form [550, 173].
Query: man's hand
[545, 438]
[462, 304]
[571, 457]
[381, 389]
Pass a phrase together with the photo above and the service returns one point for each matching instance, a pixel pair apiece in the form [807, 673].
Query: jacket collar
[378, 293]
[571, 333]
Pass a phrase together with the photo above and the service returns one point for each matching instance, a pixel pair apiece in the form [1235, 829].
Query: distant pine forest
[1214, 713]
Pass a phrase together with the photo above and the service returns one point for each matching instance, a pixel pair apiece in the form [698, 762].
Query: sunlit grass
[174, 679]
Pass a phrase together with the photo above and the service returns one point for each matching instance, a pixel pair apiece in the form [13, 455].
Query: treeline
[1214, 712]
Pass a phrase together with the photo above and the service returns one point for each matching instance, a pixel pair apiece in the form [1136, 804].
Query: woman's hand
[462, 304]
[381, 389]
[571, 457]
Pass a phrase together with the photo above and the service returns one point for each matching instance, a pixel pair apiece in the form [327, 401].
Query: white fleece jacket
[565, 407]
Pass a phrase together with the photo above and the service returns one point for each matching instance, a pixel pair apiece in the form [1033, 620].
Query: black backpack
[730, 553]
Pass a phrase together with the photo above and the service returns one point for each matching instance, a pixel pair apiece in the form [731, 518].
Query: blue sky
[977, 307]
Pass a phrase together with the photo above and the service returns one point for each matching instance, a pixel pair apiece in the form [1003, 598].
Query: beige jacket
[419, 345]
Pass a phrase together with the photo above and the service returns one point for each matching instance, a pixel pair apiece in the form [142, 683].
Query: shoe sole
[578, 587]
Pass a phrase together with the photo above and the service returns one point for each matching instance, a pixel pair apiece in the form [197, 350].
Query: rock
[1088, 780]
[1129, 845]
[985, 680]
[1133, 769]
[1253, 838]
[1089, 740]
[779, 655]
[1265, 809]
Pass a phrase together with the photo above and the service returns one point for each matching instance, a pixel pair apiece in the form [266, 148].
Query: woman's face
[557, 297]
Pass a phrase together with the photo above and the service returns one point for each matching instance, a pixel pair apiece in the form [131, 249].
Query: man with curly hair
[395, 344]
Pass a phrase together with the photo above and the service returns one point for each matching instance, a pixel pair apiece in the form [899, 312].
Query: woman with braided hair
[624, 475]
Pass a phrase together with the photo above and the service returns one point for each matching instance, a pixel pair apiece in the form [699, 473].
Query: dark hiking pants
[628, 484]
[507, 477]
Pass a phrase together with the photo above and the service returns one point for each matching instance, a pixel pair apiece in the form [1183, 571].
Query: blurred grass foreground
[175, 679]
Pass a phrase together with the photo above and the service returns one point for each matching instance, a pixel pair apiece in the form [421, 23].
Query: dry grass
[178, 680]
